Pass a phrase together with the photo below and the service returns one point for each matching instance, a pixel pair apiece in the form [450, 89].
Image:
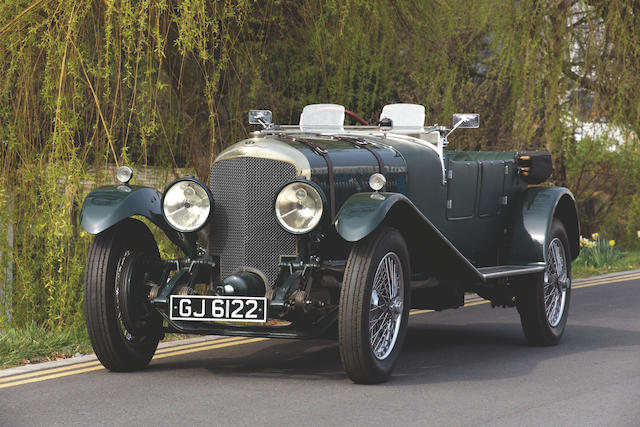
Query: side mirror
[260, 117]
[466, 121]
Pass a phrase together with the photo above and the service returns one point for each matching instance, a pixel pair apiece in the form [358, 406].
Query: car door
[475, 201]
[462, 189]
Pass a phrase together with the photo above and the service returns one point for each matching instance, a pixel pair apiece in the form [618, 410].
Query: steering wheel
[356, 117]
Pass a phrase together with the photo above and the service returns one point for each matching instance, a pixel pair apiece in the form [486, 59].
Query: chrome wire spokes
[556, 282]
[387, 303]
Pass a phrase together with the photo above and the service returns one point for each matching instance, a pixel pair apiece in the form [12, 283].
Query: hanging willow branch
[97, 104]
[8, 26]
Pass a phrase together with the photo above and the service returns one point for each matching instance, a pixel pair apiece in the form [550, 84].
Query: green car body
[471, 222]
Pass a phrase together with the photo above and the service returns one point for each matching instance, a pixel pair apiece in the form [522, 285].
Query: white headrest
[322, 118]
[405, 116]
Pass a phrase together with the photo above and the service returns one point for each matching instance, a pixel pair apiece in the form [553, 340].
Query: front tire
[374, 307]
[543, 301]
[116, 255]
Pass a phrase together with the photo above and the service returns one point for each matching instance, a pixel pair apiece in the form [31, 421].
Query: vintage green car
[326, 230]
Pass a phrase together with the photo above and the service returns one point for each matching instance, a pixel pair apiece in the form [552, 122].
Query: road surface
[469, 366]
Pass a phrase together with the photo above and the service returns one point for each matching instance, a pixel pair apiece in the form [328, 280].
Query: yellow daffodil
[612, 243]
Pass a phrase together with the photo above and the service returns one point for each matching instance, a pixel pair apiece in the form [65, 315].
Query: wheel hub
[396, 306]
[375, 299]
[130, 297]
[564, 284]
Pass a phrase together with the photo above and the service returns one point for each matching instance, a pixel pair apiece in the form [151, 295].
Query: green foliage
[627, 261]
[167, 83]
[85, 85]
[598, 253]
[32, 343]
[632, 222]
[605, 179]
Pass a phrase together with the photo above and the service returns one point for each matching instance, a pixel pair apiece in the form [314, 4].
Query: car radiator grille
[244, 231]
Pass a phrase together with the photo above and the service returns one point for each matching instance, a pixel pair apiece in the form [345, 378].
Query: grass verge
[628, 261]
[32, 344]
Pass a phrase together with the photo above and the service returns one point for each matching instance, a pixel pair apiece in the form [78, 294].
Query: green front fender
[107, 206]
[534, 212]
[364, 212]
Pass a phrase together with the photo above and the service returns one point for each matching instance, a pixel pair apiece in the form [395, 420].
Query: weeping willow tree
[570, 63]
[86, 85]
[165, 84]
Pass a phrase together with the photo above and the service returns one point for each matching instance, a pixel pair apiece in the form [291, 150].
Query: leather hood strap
[320, 149]
[361, 143]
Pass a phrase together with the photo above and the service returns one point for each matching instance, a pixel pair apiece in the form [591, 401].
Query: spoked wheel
[387, 302]
[124, 330]
[374, 307]
[543, 302]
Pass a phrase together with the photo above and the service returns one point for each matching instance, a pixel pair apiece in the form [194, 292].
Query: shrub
[598, 252]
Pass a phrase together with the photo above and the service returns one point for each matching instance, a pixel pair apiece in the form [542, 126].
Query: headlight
[187, 204]
[298, 207]
[124, 174]
[377, 181]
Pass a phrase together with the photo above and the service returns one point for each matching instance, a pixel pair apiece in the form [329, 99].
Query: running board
[489, 273]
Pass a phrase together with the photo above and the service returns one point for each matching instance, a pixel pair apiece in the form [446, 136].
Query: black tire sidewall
[530, 302]
[113, 349]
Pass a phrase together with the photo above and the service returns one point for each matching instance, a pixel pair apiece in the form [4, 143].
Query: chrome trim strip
[511, 271]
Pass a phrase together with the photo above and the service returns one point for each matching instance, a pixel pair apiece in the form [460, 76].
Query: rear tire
[112, 255]
[374, 307]
[543, 301]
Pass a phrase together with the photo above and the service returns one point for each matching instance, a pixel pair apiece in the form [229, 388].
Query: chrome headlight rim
[323, 207]
[209, 195]
[124, 174]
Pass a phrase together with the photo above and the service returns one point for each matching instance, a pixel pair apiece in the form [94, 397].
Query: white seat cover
[322, 118]
[404, 116]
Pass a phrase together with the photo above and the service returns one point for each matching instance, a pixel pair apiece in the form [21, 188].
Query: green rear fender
[534, 212]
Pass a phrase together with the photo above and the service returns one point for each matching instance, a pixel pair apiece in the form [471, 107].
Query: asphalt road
[469, 366]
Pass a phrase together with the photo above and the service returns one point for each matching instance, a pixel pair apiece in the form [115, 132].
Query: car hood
[352, 165]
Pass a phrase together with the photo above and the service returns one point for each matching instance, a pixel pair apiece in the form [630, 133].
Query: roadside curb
[605, 276]
[91, 357]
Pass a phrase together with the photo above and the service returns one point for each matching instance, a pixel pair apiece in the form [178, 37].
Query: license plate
[218, 308]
